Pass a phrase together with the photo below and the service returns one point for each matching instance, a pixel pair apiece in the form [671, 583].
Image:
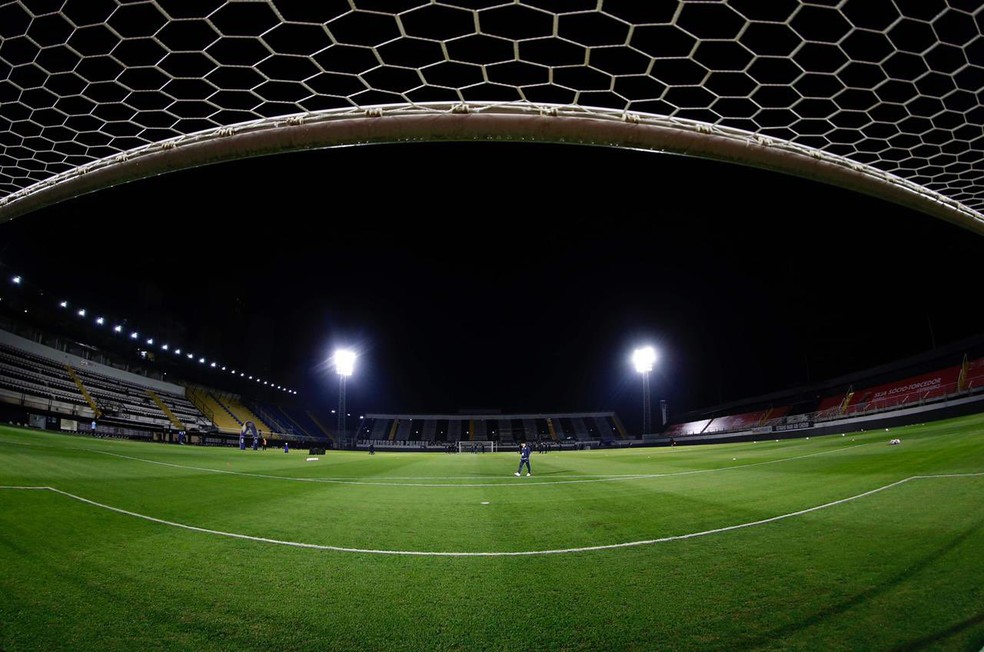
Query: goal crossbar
[478, 446]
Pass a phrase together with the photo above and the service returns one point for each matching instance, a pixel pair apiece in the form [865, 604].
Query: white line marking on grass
[507, 482]
[521, 553]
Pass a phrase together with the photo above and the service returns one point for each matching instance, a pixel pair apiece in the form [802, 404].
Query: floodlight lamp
[117, 329]
[63, 304]
[164, 346]
[344, 362]
[150, 340]
[16, 280]
[644, 358]
[100, 321]
[134, 335]
[82, 313]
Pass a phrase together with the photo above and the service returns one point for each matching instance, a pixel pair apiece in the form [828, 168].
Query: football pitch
[839, 542]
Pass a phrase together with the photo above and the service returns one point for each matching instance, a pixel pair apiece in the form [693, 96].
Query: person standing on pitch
[524, 458]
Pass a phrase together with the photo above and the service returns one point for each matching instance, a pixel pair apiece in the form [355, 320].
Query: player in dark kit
[524, 459]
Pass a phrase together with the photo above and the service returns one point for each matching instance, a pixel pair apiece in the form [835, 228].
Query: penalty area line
[518, 553]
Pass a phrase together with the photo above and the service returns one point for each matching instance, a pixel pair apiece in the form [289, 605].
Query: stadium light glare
[164, 346]
[643, 359]
[191, 355]
[177, 351]
[150, 340]
[100, 321]
[212, 365]
[82, 312]
[134, 335]
[344, 362]
[344, 365]
[63, 304]
[117, 329]
[16, 280]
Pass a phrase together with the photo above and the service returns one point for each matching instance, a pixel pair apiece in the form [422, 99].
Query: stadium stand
[924, 386]
[423, 431]
[64, 388]
[71, 386]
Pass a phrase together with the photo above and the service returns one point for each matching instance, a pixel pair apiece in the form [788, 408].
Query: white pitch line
[507, 482]
[522, 553]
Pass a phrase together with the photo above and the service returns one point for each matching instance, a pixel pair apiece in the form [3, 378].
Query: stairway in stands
[82, 390]
[175, 421]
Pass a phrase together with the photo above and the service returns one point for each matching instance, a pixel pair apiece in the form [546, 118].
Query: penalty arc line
[519, 553]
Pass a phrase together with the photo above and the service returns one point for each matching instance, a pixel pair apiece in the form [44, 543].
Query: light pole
[643, 359]
[344, 365]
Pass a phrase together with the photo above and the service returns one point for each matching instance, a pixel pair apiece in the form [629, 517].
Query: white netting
[478, 446]
[888, 86]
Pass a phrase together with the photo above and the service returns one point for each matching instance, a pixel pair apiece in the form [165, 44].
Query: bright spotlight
[344, 362]
[82, 313]
[150, 340]
[134, 335]
[63, 304]
[100, 321]
[164, 346]
[644, 358]
[117, 329]
[16, 280]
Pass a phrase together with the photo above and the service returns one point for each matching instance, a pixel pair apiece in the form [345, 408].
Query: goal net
[478, 446]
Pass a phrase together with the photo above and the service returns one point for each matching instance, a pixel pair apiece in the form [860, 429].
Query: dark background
[511, 277]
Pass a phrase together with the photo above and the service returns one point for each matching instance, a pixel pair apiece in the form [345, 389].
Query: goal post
[478, 446]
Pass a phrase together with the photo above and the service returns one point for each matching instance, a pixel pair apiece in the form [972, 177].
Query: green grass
[897, 569]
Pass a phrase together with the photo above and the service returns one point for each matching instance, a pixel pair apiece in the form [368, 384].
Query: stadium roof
[883, 97]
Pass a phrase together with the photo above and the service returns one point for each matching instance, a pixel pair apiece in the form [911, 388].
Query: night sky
[509, 277]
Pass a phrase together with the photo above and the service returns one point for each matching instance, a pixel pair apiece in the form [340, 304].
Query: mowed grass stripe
[458, 520]
[837, 579]
[692, 535]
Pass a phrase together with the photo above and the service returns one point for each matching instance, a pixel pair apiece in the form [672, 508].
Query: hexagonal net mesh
[880, 95]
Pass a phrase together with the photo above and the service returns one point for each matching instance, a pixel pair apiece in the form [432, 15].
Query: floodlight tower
[643, 359]
[344, 365]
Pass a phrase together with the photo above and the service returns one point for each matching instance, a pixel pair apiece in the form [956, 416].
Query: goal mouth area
[478, 446]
